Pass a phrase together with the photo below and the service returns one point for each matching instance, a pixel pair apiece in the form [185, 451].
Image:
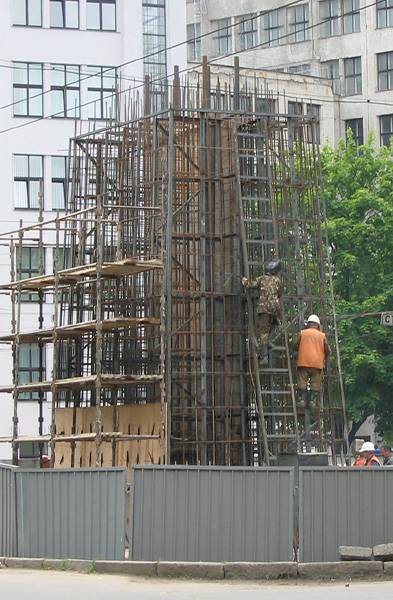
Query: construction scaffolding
[153, 335]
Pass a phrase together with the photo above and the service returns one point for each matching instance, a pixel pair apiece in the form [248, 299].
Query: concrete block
[74, 564]
[126, 567]
[56, 564]
[190, 570]
[355, 553]
[383, 552]
[24, 563]
[354, 569]
[255, 570]
[388, 569]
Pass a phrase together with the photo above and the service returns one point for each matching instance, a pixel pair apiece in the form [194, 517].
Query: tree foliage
[358, 185]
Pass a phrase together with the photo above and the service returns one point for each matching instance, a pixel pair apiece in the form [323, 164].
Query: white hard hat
[367, 447]
[314, 319]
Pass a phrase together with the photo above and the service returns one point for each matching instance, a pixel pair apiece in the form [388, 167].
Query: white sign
[387, 318]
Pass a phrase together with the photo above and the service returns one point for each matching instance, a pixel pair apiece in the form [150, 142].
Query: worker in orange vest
[367, 451]
[312, 350]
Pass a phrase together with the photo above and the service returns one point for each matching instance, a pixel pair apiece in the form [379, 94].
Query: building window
[304, 69]
[385, 71]
[313, 129]
[27, 89]
[247, 31]
[386, 129]
[273, 24]
[194, 51]
[64, 14]
[29, 267]
[384, 13]
[331, 70]
[28, 174]
[295, 108]
[356, 126]
[298, 22]
[65, 93]
[353, 76]
[223, 36]
[30, 369]
[60, 182]
[296, 126]
[328, 13]
[27, 12]
[101, 15]
[154, 39]
[351, 16]
[265, 105]
[100, 92]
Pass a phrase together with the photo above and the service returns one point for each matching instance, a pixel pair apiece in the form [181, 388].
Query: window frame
[383, 134]
[247, 30]
[100, 5]
[222, 33]
[194, 42]
[357, 132]
[384, 10]
[298, 18]
[73, 86]
[274, 27]
[30, 88]
[29, 181]
[355, 76]
[63, 182]
[154, 42]
[330, 25]
[27, 5]
[64, 5]
[104, 92]
[334, 74]
[387, 57]
[32, 270]
[31, 373]
[351, 16]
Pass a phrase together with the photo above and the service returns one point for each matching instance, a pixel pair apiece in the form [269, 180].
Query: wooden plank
[127, 266]
[65, 331]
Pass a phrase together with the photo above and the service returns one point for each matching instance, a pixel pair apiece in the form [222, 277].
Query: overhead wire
[190, 68]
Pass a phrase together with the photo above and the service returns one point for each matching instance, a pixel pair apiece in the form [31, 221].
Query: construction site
[152, 341]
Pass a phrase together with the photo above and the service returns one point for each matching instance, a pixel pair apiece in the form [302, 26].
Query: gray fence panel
[72, 513]
[211, 513]
[8, 539]
[343, 507]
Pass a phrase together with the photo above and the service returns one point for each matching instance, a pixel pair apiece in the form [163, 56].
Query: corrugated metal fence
[211, 513]
[66, 513]
[343, 507]
[193, 513]
[7, 510]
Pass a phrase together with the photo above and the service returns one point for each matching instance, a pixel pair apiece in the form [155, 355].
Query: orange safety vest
[371, 460]
[311, 348]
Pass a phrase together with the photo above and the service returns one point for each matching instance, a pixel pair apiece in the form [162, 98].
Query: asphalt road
[21, 584]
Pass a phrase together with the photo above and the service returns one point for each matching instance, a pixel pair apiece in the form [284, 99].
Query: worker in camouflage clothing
[269, 288]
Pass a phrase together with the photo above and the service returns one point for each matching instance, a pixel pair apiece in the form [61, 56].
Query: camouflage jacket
[269, 292]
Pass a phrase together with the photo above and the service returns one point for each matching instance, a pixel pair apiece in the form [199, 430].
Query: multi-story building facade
[348, 42]
[67, 66]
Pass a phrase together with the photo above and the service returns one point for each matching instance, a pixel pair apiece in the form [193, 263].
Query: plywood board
[131, 419]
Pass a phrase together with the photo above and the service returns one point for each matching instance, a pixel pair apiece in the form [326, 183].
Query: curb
[328, 571]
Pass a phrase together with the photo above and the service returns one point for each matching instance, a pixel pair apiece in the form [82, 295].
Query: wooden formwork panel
[131, 419]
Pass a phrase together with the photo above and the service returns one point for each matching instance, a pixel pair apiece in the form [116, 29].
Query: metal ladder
[273, 385]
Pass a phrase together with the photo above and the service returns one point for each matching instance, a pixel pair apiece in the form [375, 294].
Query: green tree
[358, 184]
